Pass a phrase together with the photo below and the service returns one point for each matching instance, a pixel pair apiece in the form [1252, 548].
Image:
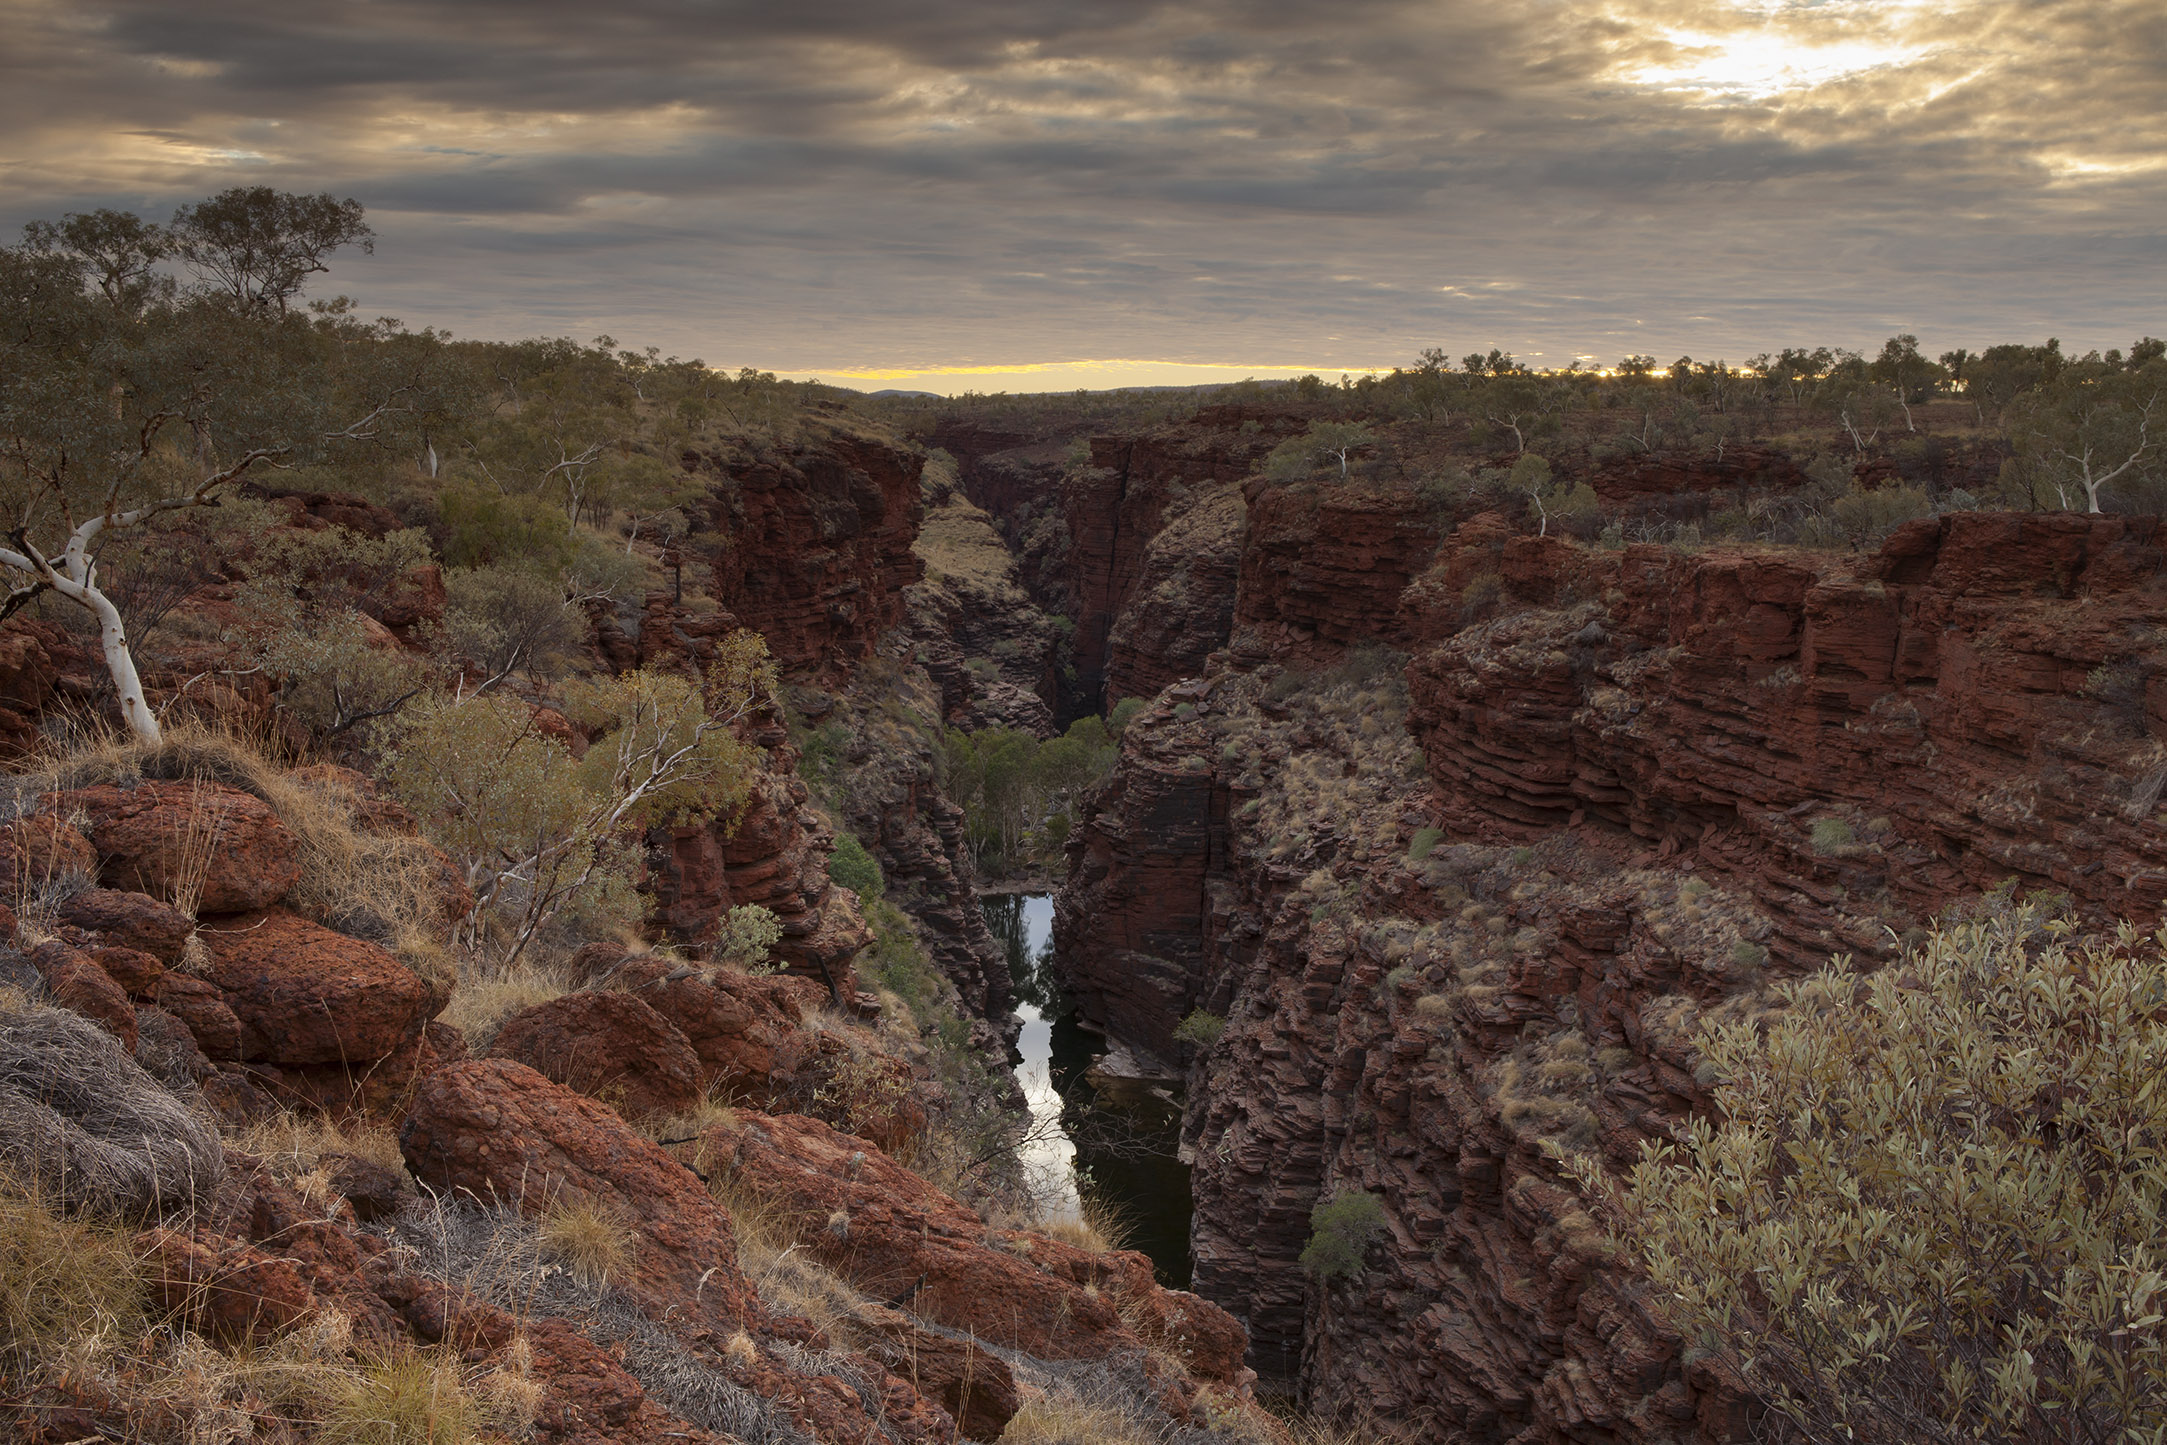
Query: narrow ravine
[1116, 1141]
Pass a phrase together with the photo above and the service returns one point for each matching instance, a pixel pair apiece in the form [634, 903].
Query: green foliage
[1012, 786]
[1832, 835]
[2091, 436]
[1293, 460]
[1201, 1028]
[747, 934]
[1424, 843]
[481, 527]
[1341, 1230]
[305, 611]
[854, 868]
[499, 621]
[535, 829]
[1124, 713]
[1931, 1209]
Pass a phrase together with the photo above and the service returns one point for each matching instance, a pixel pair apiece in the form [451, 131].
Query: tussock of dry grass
[589, 1239]
[1100, 1226]
[487, 996]
[293, 1146]
[62, 1281]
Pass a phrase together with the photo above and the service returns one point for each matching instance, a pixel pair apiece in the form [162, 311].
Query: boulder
[498, 1131]
[972, 1383]
[135, 971]
[199, 1006]
[373, 1191]
[130, 920]
[223, 1287]
[40, 850]
[746, 1033]
[610, 1046]
[75, 982]
[168, 839]
[306, 995]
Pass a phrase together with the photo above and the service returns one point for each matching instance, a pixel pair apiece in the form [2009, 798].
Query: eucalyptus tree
[2097, 424]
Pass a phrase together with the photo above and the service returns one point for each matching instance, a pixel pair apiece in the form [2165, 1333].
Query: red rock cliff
[1629, 754]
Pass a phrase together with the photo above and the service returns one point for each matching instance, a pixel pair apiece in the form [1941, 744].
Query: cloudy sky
[946, 192]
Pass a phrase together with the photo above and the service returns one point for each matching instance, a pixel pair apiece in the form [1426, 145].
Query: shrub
[1340, 1233]
[1201, 1028]
[1930, 1211]
[1748, 954]
[747, 934]
[483, 527]
[1425, 842]
[854, 868]
[502, 622]
[1124, 713]
[1832, 835]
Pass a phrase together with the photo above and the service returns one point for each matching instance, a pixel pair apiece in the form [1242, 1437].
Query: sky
[1025, 195]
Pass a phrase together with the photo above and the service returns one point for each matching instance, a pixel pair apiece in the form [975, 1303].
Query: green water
[1122, 1155]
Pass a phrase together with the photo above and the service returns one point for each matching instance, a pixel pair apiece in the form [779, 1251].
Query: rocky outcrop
[775, 855]
[1976, 702]
[1184, 604]
[1647, 780]
[895, 1236]
[809, 541]
[609, 1045]
[1324, 568]
[1083, 528]
[495, 1130]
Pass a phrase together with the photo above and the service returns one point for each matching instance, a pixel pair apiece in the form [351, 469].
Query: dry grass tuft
[293, 1145]
[1058, 1417]
[1100, 1227]
[411, 1398]
[62, 1281]
[486, 996]
[590, 1240]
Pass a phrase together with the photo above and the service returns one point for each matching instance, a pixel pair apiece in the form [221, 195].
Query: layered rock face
[1648, 783]
[810, 543]
[1324, 567]
[1980, 701]
[1085, 537]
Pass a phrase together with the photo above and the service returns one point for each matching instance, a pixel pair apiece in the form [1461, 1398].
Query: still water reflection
[1122, 1151]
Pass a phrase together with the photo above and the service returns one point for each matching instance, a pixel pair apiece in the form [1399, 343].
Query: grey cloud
[852, 180]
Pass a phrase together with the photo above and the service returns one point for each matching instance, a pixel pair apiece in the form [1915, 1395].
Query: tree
[1293, 458]
[532, 827]
[111, 417]
[1905, 372]
[2095, 424]
[2000, 374]
[117, 250]
[260, 246]
[1930, 1210]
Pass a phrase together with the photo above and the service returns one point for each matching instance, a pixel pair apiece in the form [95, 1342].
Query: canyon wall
[1086, 531]
[1464, 916]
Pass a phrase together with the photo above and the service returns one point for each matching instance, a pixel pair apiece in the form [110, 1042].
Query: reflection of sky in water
[1024, 926]
[1129, 1152]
